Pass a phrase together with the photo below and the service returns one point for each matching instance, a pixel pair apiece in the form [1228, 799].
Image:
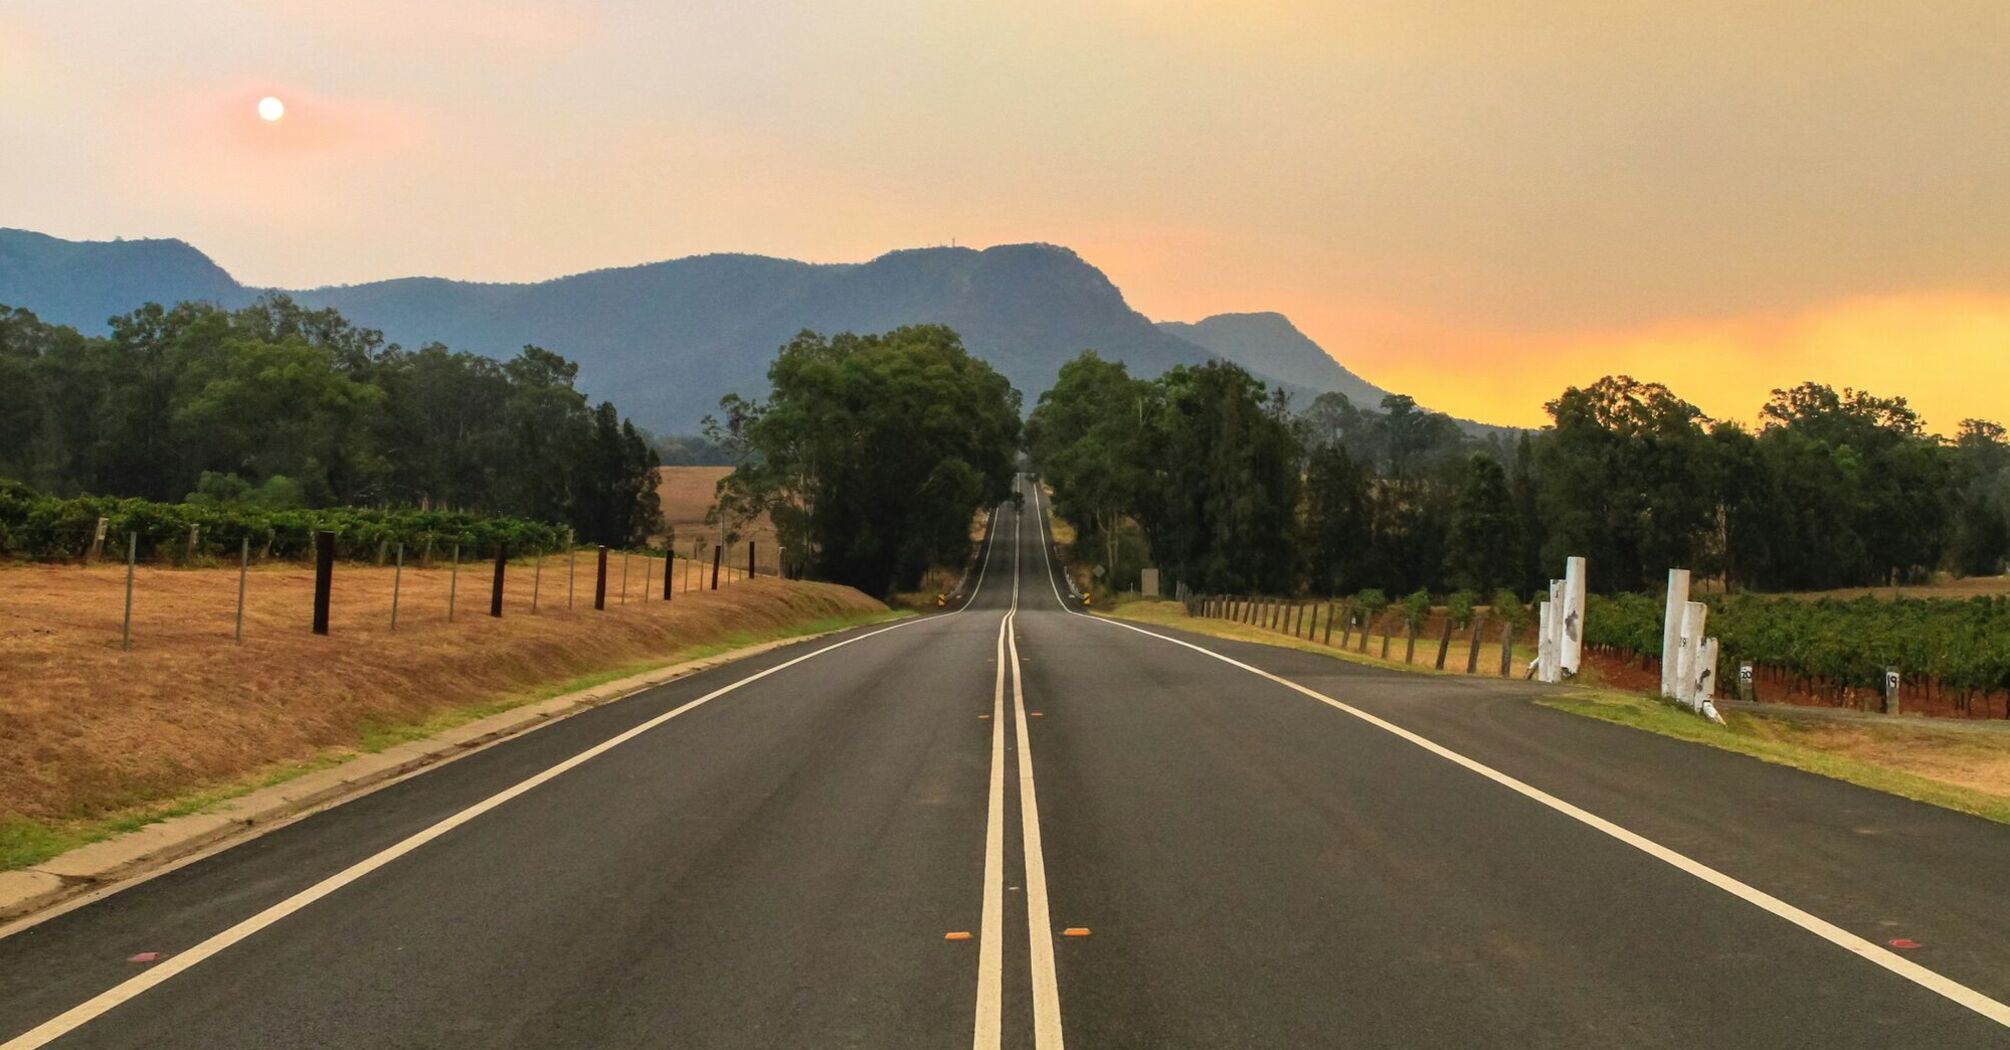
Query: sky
[1473, 202]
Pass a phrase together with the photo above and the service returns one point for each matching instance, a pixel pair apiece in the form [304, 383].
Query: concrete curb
[144, 851]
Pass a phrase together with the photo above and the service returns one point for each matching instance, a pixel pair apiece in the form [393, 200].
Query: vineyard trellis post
[324, 577]
[496, 585]
[243, 567]
[397, 584]
[132, 556]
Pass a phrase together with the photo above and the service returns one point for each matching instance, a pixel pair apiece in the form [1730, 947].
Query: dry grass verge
[93, 737]
[1964, 771]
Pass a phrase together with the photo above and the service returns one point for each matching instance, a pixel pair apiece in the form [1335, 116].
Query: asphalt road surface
[1013, 825]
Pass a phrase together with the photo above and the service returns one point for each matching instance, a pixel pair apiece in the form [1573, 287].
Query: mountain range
[665, 340]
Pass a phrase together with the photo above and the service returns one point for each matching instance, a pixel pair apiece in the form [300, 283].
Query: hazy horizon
[1473, 206]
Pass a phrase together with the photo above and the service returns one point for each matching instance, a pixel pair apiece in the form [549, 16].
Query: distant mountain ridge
[665, 340]
[1269, 343]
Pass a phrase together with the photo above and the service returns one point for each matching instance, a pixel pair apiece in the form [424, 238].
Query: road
[1013, 825]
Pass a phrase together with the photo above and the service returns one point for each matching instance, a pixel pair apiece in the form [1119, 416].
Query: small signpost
[1892, 681]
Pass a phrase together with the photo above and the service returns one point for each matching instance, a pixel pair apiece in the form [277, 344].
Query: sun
[270, 109]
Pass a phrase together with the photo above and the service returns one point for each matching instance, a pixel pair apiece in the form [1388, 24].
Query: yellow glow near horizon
[1947, 354]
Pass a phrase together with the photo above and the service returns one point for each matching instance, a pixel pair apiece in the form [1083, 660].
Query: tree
[873, 452]
[1867, 461]
[1485, 536]
[303, 404]
[1088, 435]
[1623, 481]
[1980, 465]
[1337, 518]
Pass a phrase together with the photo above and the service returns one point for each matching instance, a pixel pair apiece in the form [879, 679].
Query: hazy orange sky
[1468, 202]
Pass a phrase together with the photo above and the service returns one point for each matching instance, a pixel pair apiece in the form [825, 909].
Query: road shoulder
[1957, 767]
[218, 819]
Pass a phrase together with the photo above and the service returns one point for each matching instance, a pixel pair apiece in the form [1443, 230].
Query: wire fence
[198, 590]
[1481, 644]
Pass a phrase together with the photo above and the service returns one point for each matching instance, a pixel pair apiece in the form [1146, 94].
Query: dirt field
[687, 494]
[88, 729]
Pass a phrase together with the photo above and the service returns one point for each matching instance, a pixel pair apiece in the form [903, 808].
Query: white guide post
[1671, 631]
[1708, 692]
[1695, 616]
[1706, 672]
[1571, 655]
[1545, 641]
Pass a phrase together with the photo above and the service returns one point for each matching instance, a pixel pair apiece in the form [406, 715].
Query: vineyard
[49, 528]
[1956, 650]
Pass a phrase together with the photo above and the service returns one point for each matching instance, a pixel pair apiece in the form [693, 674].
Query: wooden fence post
[750, 559]
[397, 580]
[1507, 646]
[669, 563]
[718, 553]
[453, 582]
[1444, 643]
[324, 577]
[132, 556]
[1327, 641]
[496, 586]
[600, 581]
[243, 567]
[1473, 654]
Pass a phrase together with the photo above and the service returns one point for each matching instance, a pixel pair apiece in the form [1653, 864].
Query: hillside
[83, 283]
[664, 340]
[1269, 343]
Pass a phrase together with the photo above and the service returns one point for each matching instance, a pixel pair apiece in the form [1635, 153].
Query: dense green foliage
[286, 405]
[1832, 489]
[1964, 644]
[1202, 460]
[873, 452]
[50, 527]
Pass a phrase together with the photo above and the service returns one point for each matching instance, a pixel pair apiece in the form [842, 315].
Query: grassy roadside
[1969, 773]
[25, 842]
[1965, 772]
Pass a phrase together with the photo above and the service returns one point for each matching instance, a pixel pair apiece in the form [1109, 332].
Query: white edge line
[98, 1005]
[1931, 980]
[1039, 922]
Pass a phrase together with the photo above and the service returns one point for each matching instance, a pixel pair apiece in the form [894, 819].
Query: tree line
[276, 406]
[1211, 477]
[872, 453]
